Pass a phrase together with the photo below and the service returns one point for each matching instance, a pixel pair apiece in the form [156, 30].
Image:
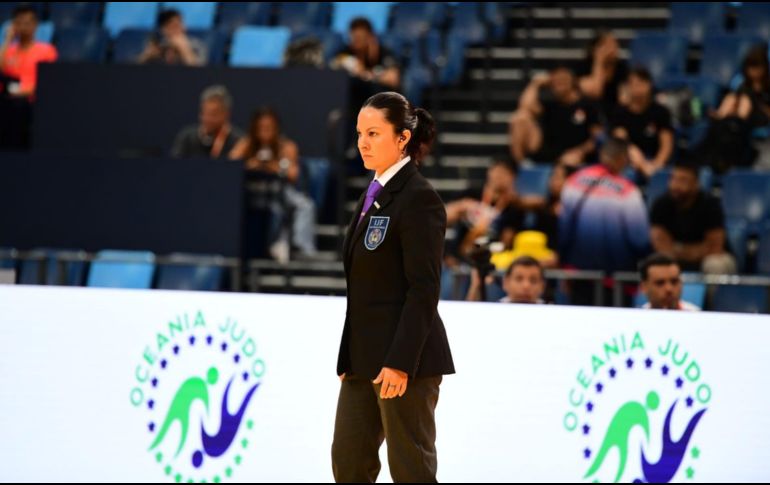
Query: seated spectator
[265, 149]
[524, 282]
[645, 124]
[728, 141]
[554, 123]
[366, 58]
[493, 212]
[603, 223]
[603, 73]
[688, 224]
[662, 283]
[171, 44]
[20, 53]
[214, 136]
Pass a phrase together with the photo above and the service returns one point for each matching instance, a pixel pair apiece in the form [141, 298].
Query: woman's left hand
[393, 382]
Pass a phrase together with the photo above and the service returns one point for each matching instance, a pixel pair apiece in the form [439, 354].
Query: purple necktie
[371, 194]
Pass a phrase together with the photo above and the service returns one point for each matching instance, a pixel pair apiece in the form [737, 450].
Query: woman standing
[394, 348]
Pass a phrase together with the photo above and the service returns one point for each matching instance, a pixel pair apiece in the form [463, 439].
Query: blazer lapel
[383, 199]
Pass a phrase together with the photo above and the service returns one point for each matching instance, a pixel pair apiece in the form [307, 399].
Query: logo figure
[675, 378]
[170, 372]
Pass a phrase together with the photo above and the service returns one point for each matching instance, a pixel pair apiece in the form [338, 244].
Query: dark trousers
[407, 423]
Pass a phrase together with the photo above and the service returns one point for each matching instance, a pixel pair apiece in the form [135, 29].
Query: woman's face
[378, 143]
[267, 130]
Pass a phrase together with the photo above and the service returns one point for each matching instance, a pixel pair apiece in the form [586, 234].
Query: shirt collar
[392, 171]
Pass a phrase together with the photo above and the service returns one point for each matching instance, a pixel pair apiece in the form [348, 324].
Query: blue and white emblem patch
[375, 233]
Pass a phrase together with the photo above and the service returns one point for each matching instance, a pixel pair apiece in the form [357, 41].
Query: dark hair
[361, 23]
[642, 73]
[403, 116]
[655, 259]
[24, 9]
[687, 164]
[253, 144]
[757, 57]
[613, 148]
[167, 16]
[527, 261]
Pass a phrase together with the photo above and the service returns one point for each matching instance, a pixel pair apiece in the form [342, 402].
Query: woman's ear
[404, 138]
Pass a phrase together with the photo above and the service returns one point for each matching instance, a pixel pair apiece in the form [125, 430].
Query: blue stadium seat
[723, 55]
[694, 293]
[237, 14]
[332, 41]
[298, 16]
[82, 44]
[74, 14]
[454, 56]
[697, 19]
[259, 46]
[705, 89]
[30, 271]
[215, 42]
[192, 277]
[740, 299]
[7, 260]
[129, 45]
[413, 19]
[660, 53]
[737, 234]
[469, 23]
[122, 269]
[377, 13]
[130, 15]
[754, 19]
[746, 197]
[195, 15]
[533, 180]
[44, 32]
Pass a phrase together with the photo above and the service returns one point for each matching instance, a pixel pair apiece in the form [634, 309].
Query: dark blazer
[393, 285]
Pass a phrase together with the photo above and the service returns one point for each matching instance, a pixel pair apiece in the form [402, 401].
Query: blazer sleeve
[421, 233]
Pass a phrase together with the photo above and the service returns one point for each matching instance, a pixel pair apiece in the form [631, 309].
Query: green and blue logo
[195, 387]
[623, 411]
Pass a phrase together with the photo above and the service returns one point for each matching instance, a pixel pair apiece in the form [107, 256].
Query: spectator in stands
[645, 124]
[603, 222]
[603, 73]
[688, 224]
[214, 136]
[662, 283]
[494, 212]
[265, 149]
[751, 101]
[20, 53]
[728, 142]
[524, 282]
[554, 123]
[366, 58]
[171, 44]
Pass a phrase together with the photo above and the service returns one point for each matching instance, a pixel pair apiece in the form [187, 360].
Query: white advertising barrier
[111, 385]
